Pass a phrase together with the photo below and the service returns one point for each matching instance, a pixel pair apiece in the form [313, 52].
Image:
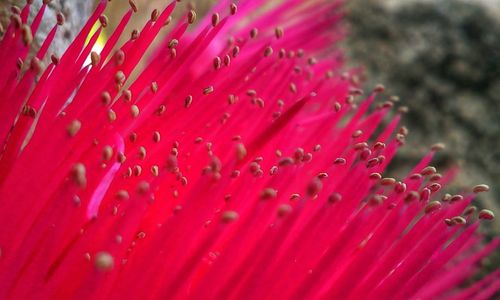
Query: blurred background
[441, 57]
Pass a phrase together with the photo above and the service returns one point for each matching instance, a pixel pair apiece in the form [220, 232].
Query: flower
[242, 162]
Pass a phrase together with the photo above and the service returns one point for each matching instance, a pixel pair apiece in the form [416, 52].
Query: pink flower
[242, 163]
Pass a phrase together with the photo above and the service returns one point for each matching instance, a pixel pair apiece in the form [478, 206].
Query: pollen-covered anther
[387, 181]
[377, 199]
[122, 195]
[141, 152]
[314, 187]
[133, 5]
[217, 63]
[387, 104]
[241, 151]
[400, 187]
[208, 90]
[438, 147]
[372, 162]
[470, 210]
[360, 146]
[337, 106]
[78, 175]
[132, 137]
[215, 19]
[486, 214]
[379, 146]
[278, 32]
[233, 9]
[104, 261]
[284, 209]
[268, 193]
[105, 98]
[294, 197]
[415, 176]
[403, 130]
[143, 188]
[120, 157]
[73, 128]
[227, 60]
[432, 207]
[191, 16]
[137, 170]
[365, 154]
[172, 164]
[298, 155]
[412, 196]
[273, 170]
[154, 87]
[379, 88]
[339, 161]
[54, 59]
[458, 220]
[434, 187]
[403, 110]
[173, 43]
[188, 101]
[253, 33]
[312, 61]
[95, 58]
[357, 133]
[435, 177]
[322, 175]
[268, 51]
[107, 153]
[154, 15]
[334, 198]
[60, 18]
[425, 194]
[111, 115]
[429, 170]
[36, 66]
[103, 19]
[120, 77]
[26, 34]
[161, 110]
[134, 111]
[229, 216]
[354, 92]
[480, 188]
[375, 176]
[456, 198]
[156, 137]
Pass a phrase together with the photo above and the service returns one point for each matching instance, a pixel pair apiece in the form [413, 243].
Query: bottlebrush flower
[242, 163]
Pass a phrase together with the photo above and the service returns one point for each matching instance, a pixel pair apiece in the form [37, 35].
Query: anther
[486, 214]
[104, 261]
[432, 207]
[78, 174]
[215, 19]
[133, 5]
[279, 32]
[95, 58]
[107, 153]
[480, 188]
[73, 128]
[154, 15]
[103, 19]
[229, 216]
[233, 9]
[191, 16]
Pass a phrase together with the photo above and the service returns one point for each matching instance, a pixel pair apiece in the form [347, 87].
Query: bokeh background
[441, 57]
